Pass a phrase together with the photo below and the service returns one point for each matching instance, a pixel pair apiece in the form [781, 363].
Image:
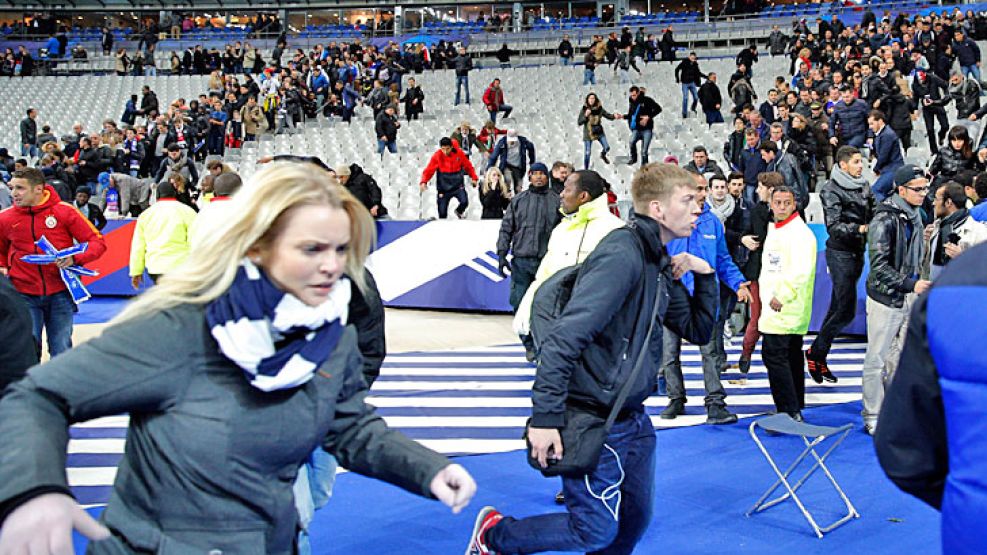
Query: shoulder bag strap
[625, 389]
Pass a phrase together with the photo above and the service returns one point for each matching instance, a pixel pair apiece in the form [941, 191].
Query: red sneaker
[819, 369]
[487, 518]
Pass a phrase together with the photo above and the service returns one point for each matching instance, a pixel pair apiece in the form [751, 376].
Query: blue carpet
[99, 310]
[707, 477]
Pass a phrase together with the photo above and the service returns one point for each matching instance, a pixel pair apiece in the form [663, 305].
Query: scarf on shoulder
[725, 209]
[278, 341]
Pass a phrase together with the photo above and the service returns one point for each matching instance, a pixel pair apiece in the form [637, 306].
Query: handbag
[585, 432]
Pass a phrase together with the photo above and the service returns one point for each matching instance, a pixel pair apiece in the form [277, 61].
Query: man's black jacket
[19, 351]
[595, 341]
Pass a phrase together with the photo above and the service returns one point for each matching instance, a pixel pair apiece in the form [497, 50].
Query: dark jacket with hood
[365, 189]
[847, 204]
[597, 337]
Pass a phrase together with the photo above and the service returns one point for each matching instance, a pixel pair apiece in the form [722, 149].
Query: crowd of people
[277, 264]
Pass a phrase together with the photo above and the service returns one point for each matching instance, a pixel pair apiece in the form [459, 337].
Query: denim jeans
[625, 76]
[971, 70]
[588, 149]
[392, 147]
[462, 81]
[54, 314]
[883, 186]
[29, 149]
[523, 270]
[565, 61]
[687, 89]
[645, 138]
[589, 77]
[671, 367]
[313, 488]
[506, 108]
[845, 269]
[607, 511]
[443, 199]
[150, 71]
[728, 300]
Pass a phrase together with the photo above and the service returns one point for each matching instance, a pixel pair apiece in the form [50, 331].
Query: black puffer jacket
[950, 162]
[595, 343]
[528, 223]
[367, 316]
[845, 211]
[967, 98]
[888, 282]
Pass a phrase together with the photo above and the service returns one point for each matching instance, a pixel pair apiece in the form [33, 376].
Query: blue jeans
[443, 199]
[54, 314]
[971, 70]
[589, 77]
[645, 138]
[150, 71]
[29, 149]
[313, 488]
[461, 82]
[694, 91]
[883, 187]
[565, 61]
[588, 146]
[608, 510]
[392, 146]
[506, 108]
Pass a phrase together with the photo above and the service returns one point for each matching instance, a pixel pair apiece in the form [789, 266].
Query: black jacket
[597, 337]
[386, 126]
[29, 131]
[494, 203]
[710, 97]
[845, 211]
[934, 88]
[760, 218]
[19, 352]
[887, 283]
[366, 313]
[967, 97]
[648, 107]
[96, 216]
[528, 223]
[950, 162]
[687, 72]
[365, 189]
[411, 94]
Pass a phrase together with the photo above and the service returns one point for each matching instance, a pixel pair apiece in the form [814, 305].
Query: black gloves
[502, 266]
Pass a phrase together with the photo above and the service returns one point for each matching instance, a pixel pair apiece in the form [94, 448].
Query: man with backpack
[628, 277]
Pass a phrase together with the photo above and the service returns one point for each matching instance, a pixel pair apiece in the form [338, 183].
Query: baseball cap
[815, 106]
[512, 135]
[906, 173]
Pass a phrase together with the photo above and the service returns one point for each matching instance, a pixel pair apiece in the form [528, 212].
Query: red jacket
[62, 224]
[492, 99]
[455, 162]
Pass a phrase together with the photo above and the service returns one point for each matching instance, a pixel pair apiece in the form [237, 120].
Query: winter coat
[365, 189]
[494, 203]
[410, 95]
[823, 146]
[950, 162]
[595, 343]
[733, 149]
[888, 282]
[777, 43]
[643, 106]
[62, 224]
[448, 169]
[593, 125]
[500, 153]
[20, 352]
[845, 210]
[709, 97]
[759, 219]
[967, 52]
[493, 99]
[386, 126]
[687, 73]
[572, 241]
[184, 165]
[788, 274]
[528, 223]
[850, 120]
[200, 470]
[967, 97]
[887, 151]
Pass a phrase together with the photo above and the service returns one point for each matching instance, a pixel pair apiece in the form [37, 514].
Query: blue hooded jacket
[709, 243]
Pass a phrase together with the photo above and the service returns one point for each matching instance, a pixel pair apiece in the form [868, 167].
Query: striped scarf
[278, 341]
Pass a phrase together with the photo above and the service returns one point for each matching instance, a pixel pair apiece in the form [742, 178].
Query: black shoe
[530, 355]
[560, 498]
[718, 414]
[796, 416]
[603, 156]
[676, 407]
[744, 365]
[632, 161]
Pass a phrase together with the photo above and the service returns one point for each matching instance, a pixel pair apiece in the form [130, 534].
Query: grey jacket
[210, 460]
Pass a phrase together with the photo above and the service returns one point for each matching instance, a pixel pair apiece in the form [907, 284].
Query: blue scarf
[278, 341]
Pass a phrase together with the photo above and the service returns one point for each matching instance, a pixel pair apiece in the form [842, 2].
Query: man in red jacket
[448, 164]
[493, 99]
[38, 212]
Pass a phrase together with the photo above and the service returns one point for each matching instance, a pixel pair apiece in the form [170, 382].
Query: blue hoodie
[709, 243]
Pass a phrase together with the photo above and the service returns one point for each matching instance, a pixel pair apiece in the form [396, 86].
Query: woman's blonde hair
[488, 178]
[256, 215]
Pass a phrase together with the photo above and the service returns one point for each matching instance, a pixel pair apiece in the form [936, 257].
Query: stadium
[494, 278]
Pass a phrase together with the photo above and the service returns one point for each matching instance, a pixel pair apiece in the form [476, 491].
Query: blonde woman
[250, 368]
[495, 195]
[216, 82]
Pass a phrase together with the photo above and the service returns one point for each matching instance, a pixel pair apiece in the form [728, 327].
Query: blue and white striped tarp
[476, 401]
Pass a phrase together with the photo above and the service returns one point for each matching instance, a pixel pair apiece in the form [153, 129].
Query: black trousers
[844, 269]
[930, 115]
[782, 355]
